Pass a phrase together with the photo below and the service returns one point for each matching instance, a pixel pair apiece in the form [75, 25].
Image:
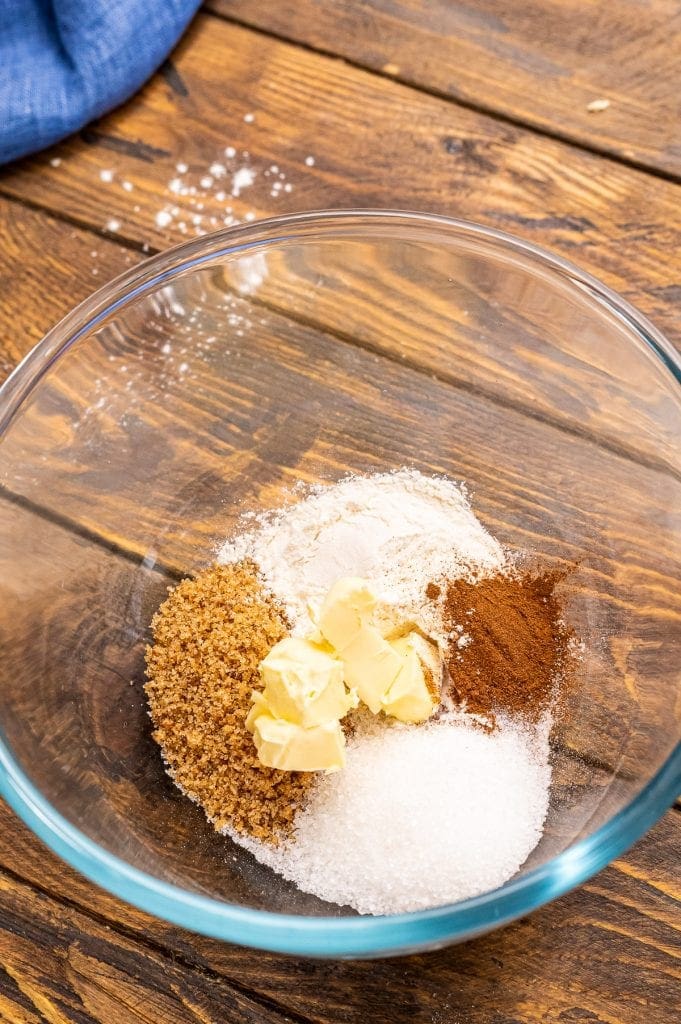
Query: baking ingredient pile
[360, 692]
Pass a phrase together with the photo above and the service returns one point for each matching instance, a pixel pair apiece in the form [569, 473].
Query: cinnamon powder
[509, 645]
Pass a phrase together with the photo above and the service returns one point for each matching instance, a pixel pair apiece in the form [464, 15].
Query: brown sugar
[210, 634]
[509, 645]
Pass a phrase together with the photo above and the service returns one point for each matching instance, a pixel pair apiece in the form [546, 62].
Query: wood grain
[540, 63]
[162, 470]
[478, 322]
[375, 143]
[608, 953]
[223, 418]
[46, 268]
[423, 305]
[58, 965]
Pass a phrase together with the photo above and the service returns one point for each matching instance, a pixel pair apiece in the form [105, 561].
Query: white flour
[401, 530]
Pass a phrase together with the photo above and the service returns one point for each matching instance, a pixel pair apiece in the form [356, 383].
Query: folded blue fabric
[65, 62]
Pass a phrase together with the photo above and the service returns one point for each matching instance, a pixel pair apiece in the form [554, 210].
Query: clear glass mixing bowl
[215, 376]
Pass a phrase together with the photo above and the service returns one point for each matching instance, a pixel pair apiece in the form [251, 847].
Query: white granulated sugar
[419, 817]
[106, 175]
[250, 273]
[230, 152]
[309, 160]
[112, 224]
[596, 106]
[249, 118]
[243, 178]
[400, 530]
[163, 218]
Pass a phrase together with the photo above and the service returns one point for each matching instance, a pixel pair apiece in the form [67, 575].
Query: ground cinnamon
[509, 644]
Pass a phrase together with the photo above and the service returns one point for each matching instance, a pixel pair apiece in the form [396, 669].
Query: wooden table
[482, 110]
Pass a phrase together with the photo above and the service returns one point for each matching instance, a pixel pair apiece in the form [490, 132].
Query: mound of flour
[401, 530]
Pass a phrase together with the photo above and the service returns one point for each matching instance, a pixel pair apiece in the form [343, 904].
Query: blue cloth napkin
[65, 62]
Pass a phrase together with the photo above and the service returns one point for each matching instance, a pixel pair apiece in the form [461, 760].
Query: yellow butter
[348, 606]
[295, 719]
[346, 621]
[388, 675]
[303, 683]
[410, 698]
[371, 666]
[291, 748]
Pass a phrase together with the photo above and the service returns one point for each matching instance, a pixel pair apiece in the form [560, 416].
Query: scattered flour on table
[419, 817]
[401, 530]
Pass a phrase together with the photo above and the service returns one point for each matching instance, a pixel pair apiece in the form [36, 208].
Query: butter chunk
[347, 623]
[303, 683]
[400, 677]
[371, 667]
[292, 748]
[348, 606]
[414, 694]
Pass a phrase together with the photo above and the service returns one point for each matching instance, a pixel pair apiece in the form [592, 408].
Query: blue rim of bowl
[288, 933]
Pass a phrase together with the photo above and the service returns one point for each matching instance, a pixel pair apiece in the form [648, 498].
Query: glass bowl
[212, 378]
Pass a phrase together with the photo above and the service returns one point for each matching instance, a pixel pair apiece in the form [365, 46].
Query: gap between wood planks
[477, 108]
[220, 963]
[508, 177]
[49, 515]
[175, 572]
[169, 955]
[132, 245]
[573, 429]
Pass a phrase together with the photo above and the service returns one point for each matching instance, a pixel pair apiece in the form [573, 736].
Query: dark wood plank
[619, 965]
[186, 449]
[608, 952]
[585, 389]
[477, 327]
[210, 449]
[375, 143]
[46, 267]
[61, 966]
[540, 63]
